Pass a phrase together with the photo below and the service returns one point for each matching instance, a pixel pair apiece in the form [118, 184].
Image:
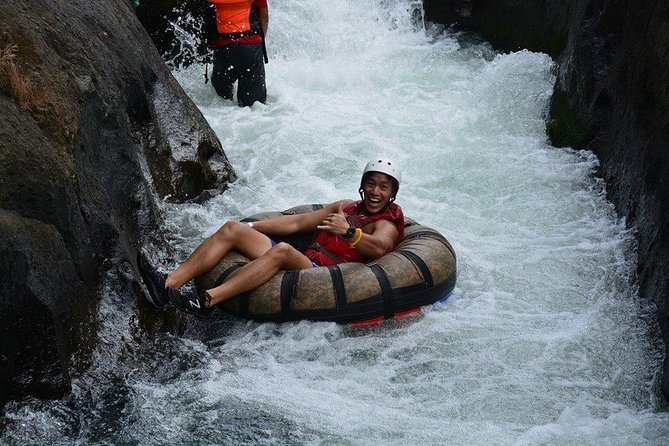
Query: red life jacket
[328, 249]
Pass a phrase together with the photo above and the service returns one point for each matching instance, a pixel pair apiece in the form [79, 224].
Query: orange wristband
[358, 236]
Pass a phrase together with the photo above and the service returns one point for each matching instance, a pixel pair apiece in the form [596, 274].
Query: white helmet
[385, 166]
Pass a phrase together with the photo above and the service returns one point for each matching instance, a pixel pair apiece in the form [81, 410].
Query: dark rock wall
[611, 96]
[160, 17]
[92, 128]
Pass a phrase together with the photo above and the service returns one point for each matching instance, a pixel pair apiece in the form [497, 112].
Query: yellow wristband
[358, 236]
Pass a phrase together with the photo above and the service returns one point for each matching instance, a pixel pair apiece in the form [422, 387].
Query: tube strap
[387, 291]
[244, 297]
[422, 267]
[338, 286]
[225, 274]
[288, 282]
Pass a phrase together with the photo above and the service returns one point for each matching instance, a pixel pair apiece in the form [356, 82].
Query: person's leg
[232, 235]
[251, 87]
[252, 275]
[260, 271]
[224, 72]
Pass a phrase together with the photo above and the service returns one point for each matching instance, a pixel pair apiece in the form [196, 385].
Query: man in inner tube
[236, 30]
[346, 231]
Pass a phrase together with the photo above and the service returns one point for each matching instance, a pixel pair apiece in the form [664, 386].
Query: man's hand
[335, 222]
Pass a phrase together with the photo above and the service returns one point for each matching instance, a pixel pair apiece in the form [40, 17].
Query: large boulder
[611, 96]
[93, 128]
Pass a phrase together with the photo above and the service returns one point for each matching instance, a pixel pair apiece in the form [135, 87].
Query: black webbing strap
[420, 264]
[225, 274]
[288, 290]
[338, 286]
[244, 297]
[327, 252]
[264, 47]
[386, 291]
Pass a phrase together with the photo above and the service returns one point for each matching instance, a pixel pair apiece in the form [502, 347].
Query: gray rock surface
[93, 128]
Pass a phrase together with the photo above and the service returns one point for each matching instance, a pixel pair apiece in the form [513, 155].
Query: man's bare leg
[260, 271]
[250, 276]
[232, 235]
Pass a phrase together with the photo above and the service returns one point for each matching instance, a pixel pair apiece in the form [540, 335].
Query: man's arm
[378, 239]
[292, 224]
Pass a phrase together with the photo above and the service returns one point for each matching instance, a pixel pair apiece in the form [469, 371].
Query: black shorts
[243, 63]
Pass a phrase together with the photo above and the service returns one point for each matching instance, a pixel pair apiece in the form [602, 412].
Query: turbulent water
[544, 340]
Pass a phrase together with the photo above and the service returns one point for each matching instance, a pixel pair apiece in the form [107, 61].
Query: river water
[544, 340]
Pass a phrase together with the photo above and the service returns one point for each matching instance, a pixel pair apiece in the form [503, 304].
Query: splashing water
[544, 341]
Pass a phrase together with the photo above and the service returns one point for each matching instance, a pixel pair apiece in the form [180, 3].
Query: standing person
[237, 37]
[346, 231]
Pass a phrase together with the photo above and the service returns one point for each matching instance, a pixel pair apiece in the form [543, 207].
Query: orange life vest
[235, 18]
[329, 249]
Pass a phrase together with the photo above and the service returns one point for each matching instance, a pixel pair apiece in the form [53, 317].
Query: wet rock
[93, 130]
[449, 12]
[175, 26]
[39, 281]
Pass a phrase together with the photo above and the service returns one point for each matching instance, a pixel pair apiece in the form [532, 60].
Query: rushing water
[544, 340]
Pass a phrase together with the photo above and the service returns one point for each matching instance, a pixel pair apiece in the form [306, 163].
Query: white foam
[544, 340]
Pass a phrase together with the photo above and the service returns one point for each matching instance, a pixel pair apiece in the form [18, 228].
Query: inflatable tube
[419, 272]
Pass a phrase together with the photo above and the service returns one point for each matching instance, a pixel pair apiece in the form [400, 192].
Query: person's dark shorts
[297, 241]
[243, 63]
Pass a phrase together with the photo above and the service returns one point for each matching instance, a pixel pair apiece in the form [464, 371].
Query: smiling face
[378, 188]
